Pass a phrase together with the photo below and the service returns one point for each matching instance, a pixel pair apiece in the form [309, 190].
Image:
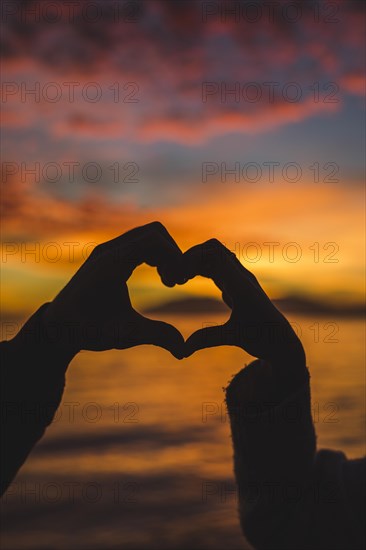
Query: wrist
[42, 339]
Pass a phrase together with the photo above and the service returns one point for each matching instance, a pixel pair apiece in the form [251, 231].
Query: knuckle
[213, 247]
[156, 226]
[213, 242]
[214, 250]
[97, 250]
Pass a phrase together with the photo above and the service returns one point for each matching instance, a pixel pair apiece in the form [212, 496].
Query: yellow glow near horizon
[316, 245]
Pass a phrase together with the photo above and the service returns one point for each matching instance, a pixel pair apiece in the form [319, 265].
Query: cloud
[354, 83]
[217, 123]
[162, 62]
[148, 77]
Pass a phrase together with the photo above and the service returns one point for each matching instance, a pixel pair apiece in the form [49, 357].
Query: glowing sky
[164, 93]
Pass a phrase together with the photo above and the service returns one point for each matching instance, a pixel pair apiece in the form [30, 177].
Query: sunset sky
[137, 111]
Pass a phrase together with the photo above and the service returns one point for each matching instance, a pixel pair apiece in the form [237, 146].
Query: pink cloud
[354, 83]
[217, 123]
[169, 53]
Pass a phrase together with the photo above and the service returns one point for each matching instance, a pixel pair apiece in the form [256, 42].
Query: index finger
[213, 260]
[133, 234]
[150, 244]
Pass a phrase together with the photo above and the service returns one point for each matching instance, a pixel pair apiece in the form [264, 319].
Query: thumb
[209, 337]
[160, 334]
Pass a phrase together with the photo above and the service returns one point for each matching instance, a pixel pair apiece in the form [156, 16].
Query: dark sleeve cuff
[274, 450]
[274, 440]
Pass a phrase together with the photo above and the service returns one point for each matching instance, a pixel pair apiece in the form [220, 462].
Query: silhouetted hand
[255, 324]
[94, 310]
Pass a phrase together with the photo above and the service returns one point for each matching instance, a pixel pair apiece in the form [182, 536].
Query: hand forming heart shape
[96, 303]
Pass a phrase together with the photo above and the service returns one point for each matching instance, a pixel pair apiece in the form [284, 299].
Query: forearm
[274, 446]
[289, 371]
[33, 367]
[282, 351]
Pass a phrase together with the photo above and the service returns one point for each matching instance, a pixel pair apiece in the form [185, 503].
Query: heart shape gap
[199, 298]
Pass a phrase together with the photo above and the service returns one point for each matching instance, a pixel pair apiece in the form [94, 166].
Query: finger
[212, 259]
[168, 271]
[210, 337]
[136, 233]
[127, 247]
[160, 334]
[149, 246]
[228, 301]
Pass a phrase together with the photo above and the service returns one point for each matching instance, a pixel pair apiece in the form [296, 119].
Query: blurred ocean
[139, 455]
